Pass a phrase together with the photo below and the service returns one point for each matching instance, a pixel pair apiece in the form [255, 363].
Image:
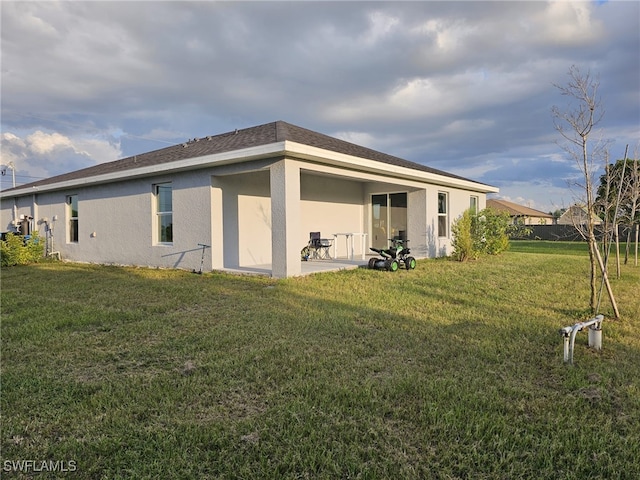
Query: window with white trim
[443, 214]
[72, 215]
[164, 213]
[473, 204]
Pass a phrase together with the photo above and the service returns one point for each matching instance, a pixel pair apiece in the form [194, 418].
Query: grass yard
[450, 371]
[566, 248]
[550, 247]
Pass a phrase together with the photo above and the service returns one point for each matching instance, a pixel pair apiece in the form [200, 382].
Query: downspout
[34, 210]
[15, 213]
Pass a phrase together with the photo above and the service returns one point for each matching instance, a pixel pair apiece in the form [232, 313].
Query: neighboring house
[520, 214]
[253, 195]
[577, 215]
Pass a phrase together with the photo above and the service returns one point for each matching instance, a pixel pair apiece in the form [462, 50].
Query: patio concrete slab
[307, 268]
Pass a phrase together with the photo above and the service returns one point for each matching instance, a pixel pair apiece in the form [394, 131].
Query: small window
[72, 213]
[443, 215]
[473, 204]
[164, 213]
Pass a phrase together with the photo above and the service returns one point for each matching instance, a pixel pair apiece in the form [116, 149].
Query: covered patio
[264, 215]
[306, 267]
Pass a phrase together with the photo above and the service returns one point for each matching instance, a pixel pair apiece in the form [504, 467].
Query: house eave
[284, 148]
[235, 156]
[320, 155]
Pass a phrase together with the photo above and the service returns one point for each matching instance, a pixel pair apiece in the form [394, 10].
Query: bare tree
[575, 125]
[631, 195]
[635, 205]
[618, 198]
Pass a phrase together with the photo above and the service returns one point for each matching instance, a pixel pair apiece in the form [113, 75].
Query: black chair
[319, 247]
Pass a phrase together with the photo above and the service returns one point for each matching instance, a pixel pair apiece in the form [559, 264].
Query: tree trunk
[605, 279]
[637, 235]
[593, 247]
[617, 233]
[593, 254]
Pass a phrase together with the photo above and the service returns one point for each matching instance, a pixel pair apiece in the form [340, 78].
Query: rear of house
[253, 196]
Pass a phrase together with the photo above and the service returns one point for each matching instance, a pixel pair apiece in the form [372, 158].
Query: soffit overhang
[284, 149]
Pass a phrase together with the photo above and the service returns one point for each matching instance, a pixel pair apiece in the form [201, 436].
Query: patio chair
[319, 247]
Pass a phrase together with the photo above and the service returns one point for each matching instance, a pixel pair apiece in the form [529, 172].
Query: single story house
[577, 215]
[520, 214]
[253, 195]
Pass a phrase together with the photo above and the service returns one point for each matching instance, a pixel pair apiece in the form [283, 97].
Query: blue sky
[465, 87]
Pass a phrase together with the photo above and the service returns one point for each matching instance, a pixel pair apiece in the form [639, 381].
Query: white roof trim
[298, 150]
[343, 160]
[223, 158]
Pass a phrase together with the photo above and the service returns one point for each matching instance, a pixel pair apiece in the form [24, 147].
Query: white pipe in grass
[569, 336]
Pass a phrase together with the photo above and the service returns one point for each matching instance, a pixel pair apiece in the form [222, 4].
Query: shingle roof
[515, 209]
[268, 133]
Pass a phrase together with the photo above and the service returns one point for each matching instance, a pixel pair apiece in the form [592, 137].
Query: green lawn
[565, 248]
[550, 247]
[453, 370]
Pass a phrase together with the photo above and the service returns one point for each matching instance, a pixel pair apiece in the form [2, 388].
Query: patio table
[349, 241]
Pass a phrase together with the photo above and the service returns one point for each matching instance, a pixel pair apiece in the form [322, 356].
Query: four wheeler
[394, 256]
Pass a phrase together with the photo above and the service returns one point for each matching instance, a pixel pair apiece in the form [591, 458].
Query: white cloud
[443, 97]
[381, 26]
[476, 170]
[449, 35]
[40, 143]
[96, 150]
[567, 23]
[41, 154]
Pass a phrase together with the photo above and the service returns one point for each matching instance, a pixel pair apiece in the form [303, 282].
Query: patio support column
[285, 219]
[418, 229]
[217, 223]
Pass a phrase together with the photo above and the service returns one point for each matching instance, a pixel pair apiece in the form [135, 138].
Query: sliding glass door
[388, 218]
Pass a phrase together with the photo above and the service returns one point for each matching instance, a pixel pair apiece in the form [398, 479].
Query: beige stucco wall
[232, 208]
[116, 222]
[246, 219]
[329, 206]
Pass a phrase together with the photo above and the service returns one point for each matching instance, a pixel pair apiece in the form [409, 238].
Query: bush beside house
[478, 234]
[21, 250]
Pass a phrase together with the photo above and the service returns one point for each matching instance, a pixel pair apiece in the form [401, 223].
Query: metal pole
[565, 332]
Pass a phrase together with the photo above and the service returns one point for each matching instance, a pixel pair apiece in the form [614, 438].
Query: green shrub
[495, 229]
[463, 239]
[15, 250]
[476, 234]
